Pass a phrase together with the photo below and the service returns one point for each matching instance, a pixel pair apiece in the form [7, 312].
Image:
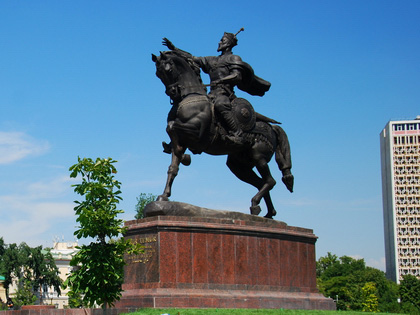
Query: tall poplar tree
[98, 268]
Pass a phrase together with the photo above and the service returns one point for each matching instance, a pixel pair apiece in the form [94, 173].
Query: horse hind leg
[268, 184]
[245, 173]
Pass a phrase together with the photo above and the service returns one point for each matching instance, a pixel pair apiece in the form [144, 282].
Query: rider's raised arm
[166, 42]
[203, 63]
[200, 61]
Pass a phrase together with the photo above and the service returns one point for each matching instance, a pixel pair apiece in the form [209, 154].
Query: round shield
[243, 113]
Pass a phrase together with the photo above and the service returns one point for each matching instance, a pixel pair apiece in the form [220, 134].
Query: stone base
[215, 262]
[197, 298]
[37, 307]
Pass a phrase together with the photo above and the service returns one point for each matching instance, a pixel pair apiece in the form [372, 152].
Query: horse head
[168, 73]
[180, 75]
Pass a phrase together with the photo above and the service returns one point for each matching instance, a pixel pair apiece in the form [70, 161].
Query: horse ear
[163, 56]
[154, 58]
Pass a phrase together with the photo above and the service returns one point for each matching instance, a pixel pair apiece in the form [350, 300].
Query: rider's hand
[166, 42]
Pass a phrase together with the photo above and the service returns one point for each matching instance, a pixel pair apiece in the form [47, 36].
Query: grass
[219, 311]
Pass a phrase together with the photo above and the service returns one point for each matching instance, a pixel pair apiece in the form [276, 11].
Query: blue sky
[76, 79]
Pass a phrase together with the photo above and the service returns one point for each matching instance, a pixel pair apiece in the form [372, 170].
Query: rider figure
[227, 71]
[223, 79]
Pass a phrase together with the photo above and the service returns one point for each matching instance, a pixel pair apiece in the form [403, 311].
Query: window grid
[406, 166]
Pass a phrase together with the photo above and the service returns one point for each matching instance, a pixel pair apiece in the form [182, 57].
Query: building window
[399, 127]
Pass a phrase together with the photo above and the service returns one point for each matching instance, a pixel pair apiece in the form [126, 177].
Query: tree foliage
[75, 300]
[354, 285]
[142, 200]
[10, 264]
[29, 267]
[24, 295]
[44, 270]
[369, 299]
[410, 294]
[98, 267]
[97, 213]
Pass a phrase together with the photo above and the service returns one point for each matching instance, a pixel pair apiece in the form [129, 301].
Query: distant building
[62, 253]
[2, 290]
[400, 160]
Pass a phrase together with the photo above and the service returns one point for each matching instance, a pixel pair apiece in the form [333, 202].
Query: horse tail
[283, 157]
[260, 117]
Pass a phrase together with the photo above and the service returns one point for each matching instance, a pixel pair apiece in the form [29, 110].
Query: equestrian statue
[218, 122]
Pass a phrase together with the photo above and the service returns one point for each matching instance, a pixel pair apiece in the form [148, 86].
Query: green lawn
[220, 311]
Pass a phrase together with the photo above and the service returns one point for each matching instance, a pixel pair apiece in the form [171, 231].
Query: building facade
[400, 161]
[2, 290]
[62, 253]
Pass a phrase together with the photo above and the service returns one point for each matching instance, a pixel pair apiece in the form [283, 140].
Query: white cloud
[378, 264]
[40, 211]
[15, 146]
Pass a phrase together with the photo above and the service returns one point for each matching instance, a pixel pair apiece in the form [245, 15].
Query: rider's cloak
[250, 83]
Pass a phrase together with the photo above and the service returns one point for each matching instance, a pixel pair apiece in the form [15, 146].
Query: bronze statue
[220, 123]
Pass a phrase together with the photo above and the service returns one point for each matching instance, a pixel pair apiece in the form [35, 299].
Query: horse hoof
[255, 210]
[186, 159]
[271, 214]
[288, 181]
[162, 198]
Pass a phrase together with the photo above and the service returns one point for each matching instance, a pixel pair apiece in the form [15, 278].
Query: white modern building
[400, 161]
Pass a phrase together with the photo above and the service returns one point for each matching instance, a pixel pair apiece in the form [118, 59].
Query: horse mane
[187, 57]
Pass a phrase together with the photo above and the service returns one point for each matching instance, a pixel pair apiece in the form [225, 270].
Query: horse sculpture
[192, 124]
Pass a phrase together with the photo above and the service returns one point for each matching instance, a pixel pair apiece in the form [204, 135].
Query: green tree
[2, 247]
[142, 200]
[75, 300]
[324, 263]
[24, 295]
[369, 299]
[43, 271]
[10, 265]
[387, 291]
[410, 294]
[25, 264]
[345, 278]
[98, 267]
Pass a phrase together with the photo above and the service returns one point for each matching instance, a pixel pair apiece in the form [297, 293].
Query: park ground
[174, 311]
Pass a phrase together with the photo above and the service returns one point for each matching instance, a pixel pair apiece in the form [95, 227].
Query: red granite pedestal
[195, 262]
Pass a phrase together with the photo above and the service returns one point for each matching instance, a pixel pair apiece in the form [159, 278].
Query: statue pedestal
[207, 262]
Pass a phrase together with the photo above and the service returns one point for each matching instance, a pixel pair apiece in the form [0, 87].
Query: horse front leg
[178, 157]
[172, 173]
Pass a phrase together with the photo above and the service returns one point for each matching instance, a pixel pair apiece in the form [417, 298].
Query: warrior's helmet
[232, 37]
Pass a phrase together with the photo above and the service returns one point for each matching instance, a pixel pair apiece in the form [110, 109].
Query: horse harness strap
[191, 100]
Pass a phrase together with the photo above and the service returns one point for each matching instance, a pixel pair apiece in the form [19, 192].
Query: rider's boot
[235, 133]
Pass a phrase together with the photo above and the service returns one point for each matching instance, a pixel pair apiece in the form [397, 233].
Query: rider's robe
[250, 83]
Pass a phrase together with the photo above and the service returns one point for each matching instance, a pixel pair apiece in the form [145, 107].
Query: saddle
[246, 117]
